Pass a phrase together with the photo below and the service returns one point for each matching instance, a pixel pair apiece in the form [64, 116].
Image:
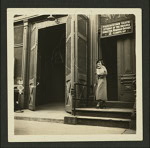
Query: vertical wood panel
[72, 51]
[94, 43]
[33, 67]
[126, 68]
[18, 63]
[24, 64]
[99, 38]
[18, 34]
[69, 62]
[133, 55]
[81, 55]
[24, 50]
[119, 65]
[127, 55]
[18, 51]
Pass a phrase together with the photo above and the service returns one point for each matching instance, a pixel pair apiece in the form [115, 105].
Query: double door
[75, 63]
[118, 54]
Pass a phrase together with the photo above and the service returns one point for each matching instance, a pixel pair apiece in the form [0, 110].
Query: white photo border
[65, 138]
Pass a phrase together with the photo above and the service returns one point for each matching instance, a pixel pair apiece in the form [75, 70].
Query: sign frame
[101, 30]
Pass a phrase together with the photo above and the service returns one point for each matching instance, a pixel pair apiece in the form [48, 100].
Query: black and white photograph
[74, 74]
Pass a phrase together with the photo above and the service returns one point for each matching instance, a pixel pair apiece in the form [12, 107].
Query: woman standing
[101, 85]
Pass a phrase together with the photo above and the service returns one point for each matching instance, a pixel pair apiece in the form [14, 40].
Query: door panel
[69, 62]
[76, 58]
[126, 69]
[81, 26]
[33, 67]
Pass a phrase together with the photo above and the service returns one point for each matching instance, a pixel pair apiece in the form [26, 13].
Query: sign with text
[118, 28]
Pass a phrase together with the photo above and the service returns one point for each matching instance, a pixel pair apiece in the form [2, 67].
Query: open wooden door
[126, 69]
[81, 32]
[33, 67]
[76, 58]
[69, 62]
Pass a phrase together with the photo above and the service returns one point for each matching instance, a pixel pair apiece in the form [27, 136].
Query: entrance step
[98, 121]
[113, 104]
[108, 117]
[108, 112]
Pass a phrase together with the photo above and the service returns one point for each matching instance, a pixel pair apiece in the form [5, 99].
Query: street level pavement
[24, 127]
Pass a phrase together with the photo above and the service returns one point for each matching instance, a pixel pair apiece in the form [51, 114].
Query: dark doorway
[109, 54]
[51, 65]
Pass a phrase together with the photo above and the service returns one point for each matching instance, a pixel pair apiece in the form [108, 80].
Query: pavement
[53, 112]
[24, 127]
[48, 120]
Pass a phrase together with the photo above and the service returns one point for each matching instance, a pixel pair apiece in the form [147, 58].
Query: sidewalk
[51, 122]
[23, 127]
[54, 112]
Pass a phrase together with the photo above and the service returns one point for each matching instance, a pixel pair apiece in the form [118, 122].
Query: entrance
[51, 65]
[54, 64]
[109, 54]
[119, 57]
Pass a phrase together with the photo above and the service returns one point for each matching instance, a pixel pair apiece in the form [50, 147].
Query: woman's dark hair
[100, 61]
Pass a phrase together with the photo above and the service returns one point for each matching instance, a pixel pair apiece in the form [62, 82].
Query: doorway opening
[109, 55]
[51, 65]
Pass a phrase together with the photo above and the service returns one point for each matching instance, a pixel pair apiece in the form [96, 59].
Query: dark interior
[109, 54]
[51, 65]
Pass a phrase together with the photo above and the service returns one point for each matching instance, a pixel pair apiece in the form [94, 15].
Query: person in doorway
[101, 84]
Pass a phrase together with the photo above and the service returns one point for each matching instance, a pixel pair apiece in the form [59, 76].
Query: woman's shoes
[98, 105]
[101, 104]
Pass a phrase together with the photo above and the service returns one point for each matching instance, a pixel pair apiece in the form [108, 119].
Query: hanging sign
[115, 29]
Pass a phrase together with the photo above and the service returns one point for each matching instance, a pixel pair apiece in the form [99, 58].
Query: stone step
[98, 121]
[113, 104]
[106, 112]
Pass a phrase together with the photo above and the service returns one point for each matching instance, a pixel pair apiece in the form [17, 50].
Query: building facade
[55, 58]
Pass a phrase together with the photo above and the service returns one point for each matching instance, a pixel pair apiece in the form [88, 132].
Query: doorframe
[122, 38]
[41, 25]
[114, 39]
[45, 24]
[93, 47]
[25, 62]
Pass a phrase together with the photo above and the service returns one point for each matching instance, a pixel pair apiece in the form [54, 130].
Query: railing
[74, 97]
